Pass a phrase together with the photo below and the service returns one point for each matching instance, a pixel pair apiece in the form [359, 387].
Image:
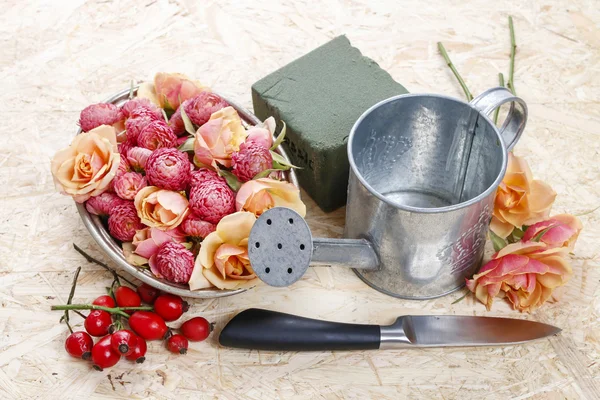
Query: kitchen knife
[270, 330]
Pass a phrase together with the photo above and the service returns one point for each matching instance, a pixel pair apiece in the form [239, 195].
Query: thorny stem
[100, 263]
[501, 82]
[70, 299]
[513, 50]
[112, 310]
[453, 69]
[460, 298]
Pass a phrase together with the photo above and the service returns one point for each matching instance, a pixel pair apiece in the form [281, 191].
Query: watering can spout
[281, 248]
[351, 253]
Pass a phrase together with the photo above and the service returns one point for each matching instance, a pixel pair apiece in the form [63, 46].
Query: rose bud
[156, 135]
[168, 168]
[212, 200]
[123, 222]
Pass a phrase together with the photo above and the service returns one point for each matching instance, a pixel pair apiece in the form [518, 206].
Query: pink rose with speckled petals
[203, 174]
[251, 160]
[133, 104]
[137, 157]
[156, 135]
[172, 262]
[212, 200]
[127, 185]
[138, 119]
[194, 226]
[123, 222]
[99, 114]
[103, 203]
[168, 168]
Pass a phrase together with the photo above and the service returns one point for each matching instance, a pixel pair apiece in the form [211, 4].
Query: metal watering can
[424, 170]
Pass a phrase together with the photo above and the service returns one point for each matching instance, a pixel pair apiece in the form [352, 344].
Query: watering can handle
[516, 119]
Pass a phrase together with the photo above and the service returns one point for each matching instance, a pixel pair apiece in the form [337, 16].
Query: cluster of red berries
[117, 342]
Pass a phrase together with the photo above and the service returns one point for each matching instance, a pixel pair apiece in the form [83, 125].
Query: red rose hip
[139, 351]
[147, 293]
[79, 345]
[105, 301]
[177, 344]
[123, 342]
[98, 323]
[170, 307]
[103, 355]
[127, 297]
[196, 329]
[148, 325]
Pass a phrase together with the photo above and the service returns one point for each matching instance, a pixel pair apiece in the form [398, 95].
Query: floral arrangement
[180, 193]
[531, 247]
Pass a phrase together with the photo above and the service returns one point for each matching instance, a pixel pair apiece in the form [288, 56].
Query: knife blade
[270, 330]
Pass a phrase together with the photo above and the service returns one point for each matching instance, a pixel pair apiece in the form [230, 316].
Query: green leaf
[462, 297]
[538, 237]
[188, 145]
[131, 90]
[265, 173]
[231, 179]
[280, 138]
[497, 241]
[167, 104]
[189, 127]
[165, 115]
[281, 163]
[187, 245]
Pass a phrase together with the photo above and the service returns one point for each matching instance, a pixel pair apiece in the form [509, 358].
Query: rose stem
[112, 310]
[70, 299]
[501, 82]
[460, 298]
[453, 68]
[513, 50]
[106, 267]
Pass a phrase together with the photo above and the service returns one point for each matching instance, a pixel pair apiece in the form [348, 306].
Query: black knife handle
[271, 330]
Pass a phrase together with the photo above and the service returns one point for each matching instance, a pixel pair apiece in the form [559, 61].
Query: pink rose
[257, 196]
[103, 204]
[212, 200]
[137, 157]
[99, 114]
[148, 240]
[262, 134]
[171, 89]
[194, 226]
[88, 165]
[159, 208]
[217, 139]
[123, 222]
[157, 134]
[527, 272]
[251, 160]
[172, 262]
[127, 185]
[168, 168]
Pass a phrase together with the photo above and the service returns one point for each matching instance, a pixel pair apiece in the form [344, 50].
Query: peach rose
[257, 196]
[160, 208]
[520, 200]
[223, 258]
[173, 89]
[218, 138]
[88, 165]
[527, 272]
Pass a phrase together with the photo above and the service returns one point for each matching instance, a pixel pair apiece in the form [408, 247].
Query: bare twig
[70, 299]
[100, 263]
[453, 69]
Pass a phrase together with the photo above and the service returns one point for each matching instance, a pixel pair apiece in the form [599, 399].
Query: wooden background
[58, 57]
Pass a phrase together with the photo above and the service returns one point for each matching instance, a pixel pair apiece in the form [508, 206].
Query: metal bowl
[113, 249]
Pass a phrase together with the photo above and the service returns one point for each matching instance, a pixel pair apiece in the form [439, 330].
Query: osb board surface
[57, 57]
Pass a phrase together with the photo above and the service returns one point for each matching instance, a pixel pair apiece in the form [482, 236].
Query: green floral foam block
[320, 96]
